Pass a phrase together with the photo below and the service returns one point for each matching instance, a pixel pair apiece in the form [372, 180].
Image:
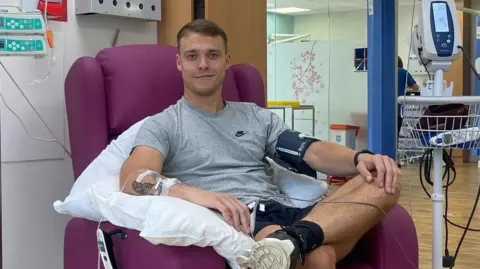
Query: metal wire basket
[442, 122]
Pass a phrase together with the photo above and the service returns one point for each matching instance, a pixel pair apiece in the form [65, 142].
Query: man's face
[203, 62]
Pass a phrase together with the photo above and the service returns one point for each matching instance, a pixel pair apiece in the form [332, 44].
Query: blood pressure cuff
[290, 150]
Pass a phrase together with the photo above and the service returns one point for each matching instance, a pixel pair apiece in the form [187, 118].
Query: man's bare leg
[343, 224]
[342, 219]
[325, 256]
[349, 186]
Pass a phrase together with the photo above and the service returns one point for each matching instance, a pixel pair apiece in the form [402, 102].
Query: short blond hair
[204, 27]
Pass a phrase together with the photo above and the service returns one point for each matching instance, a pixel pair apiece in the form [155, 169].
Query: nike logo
[240, 133]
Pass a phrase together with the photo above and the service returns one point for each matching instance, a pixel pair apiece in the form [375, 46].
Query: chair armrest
[392, 244]
[80, 250]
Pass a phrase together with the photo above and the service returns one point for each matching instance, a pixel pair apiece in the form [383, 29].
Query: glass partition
[317, 57]
[298, 64]
[348, 83]
[408, 66]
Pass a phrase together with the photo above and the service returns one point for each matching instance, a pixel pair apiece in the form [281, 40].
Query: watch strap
[355, 158]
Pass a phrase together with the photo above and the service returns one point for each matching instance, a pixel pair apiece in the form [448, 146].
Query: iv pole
[459, 138]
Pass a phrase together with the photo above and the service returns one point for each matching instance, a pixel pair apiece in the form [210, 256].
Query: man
[405, 79]
[405, 82]
[216, 149]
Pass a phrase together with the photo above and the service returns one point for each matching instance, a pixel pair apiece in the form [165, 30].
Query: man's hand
[233, 211]
[380, 169]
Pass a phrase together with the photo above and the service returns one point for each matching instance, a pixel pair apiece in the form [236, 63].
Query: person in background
[405, 80]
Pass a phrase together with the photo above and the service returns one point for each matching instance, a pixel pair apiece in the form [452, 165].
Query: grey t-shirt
[221, 152]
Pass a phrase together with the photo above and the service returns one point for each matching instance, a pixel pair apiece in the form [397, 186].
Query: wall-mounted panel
[138, 9]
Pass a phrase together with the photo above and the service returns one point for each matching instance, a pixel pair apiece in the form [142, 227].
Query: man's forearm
[147, 186]
[128, 180]
[181, 191]
[185, 192]
[331, 159]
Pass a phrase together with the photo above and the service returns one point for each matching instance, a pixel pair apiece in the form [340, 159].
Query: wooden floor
[461, 196]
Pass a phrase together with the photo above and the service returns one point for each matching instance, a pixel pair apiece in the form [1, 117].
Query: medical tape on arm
[163, 186]
[143, 174]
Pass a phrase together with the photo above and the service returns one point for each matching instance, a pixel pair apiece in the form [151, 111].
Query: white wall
[346, 31]
[30, 226]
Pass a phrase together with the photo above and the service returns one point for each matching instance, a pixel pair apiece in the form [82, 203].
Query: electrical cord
[52, 63]
[102, 218]
[425, 172]
[425, 166]
[52, 54]
[469, 61]
[423, 63]
[56, 140]
[465, 55]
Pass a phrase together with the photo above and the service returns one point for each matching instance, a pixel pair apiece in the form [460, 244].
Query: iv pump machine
[22, 33]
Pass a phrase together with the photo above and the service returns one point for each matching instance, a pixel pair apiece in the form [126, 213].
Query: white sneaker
[269, 253]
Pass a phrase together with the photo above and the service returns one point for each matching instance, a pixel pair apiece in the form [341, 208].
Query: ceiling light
[286, 10]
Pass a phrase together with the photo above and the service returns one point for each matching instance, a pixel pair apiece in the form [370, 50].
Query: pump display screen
[2, 44]
[440, 17]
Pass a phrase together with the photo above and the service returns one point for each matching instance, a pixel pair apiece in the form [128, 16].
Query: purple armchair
[120, 86]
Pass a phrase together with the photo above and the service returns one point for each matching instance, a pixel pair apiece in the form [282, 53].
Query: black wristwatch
[355, 158]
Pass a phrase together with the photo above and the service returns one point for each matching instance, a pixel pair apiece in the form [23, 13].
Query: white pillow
[106, 168]
[299, 186]
[170, 221]
[120, 209]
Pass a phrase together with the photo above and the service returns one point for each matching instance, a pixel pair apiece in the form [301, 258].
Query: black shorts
[275, 213]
